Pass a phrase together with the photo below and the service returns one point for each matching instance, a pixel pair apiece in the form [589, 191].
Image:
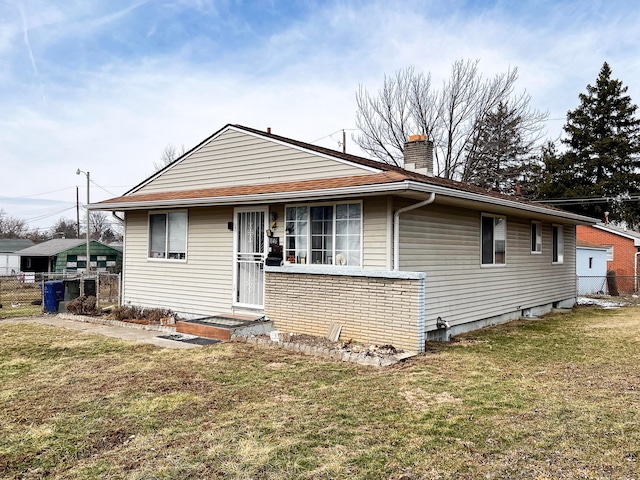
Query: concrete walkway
[144, 336]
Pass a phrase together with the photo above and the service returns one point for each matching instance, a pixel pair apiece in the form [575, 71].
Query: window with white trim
[536, 237]
[609, 252]
[493, 240]
[168, 235]
[558, 244]
[327, 234]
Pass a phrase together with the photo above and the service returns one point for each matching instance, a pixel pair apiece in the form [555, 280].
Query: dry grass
[16, 298]
[550, 398]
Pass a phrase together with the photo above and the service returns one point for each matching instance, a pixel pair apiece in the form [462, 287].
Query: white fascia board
[502, 202]
[279, 197]
[636, 240]
[363, 190]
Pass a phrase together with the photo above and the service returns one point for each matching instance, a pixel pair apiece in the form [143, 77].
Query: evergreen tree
[603, 153]
[500, 158]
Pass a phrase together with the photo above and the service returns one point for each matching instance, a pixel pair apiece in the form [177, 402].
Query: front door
[250, 233]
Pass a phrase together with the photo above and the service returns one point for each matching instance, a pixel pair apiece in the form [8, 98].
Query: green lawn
[551, 398]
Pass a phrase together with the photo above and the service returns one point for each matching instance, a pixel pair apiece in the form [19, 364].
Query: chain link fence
[20, 295]
[613, 285]
[36, 293]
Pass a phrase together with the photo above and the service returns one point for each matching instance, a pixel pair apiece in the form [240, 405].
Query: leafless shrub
[83, 306]
[141, 315]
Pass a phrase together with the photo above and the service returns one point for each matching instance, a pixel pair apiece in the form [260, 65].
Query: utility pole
[344, 142]
[77, 213]
[78, 172]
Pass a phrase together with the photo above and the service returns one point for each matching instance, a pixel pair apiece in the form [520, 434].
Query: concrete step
[223, 327]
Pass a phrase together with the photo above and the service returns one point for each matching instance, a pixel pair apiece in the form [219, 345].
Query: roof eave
[636, 240]
[361, 190]
[277, 197]
[502, 202]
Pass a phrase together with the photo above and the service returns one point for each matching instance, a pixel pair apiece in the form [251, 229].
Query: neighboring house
[67, 255]
[591, 268]
[622, 247]
[393, 255]
[9, 260]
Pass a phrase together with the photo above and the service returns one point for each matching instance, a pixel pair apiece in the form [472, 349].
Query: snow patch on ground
[600, 302]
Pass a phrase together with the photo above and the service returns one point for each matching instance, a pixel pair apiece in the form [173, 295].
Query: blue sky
[105, 85]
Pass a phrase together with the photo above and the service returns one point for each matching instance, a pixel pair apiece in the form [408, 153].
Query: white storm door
[249, 255]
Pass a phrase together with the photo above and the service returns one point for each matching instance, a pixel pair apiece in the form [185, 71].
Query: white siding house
[9, 256]
[248, 221]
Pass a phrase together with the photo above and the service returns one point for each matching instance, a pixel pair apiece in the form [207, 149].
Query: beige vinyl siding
[238, 158]
[374, 233]
[444, 242]
[202, 285]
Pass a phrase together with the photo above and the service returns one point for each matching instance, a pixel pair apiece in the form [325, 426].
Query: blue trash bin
[53, 294]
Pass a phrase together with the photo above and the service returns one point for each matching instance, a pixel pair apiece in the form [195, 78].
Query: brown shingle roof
[428, 179]
[391, 174]
[283, 187]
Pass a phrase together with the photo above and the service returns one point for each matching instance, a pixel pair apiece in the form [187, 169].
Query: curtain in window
[348, 228]
[158, 239]
[177, 234]
[500, 238]
[487, 240]
[329, 234]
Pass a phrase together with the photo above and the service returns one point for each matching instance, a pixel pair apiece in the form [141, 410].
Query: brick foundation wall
[371, 309]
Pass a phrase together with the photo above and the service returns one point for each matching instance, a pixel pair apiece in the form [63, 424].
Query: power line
[578, 201]
[42, 217]
[333, 133]
[43, 193]
[102, 188]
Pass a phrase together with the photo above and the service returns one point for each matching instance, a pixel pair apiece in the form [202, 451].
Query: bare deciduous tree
[169, 154]
[12, 227]
[100, 225]
[450, 117]
[66, 228]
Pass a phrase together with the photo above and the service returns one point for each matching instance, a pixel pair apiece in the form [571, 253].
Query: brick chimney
[418, 155]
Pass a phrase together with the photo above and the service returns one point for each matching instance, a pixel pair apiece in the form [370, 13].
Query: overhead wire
[43, 193]
[333, 133]
[600, 199]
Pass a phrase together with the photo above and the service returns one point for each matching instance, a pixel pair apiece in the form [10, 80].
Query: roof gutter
[283, 197]
[276, 197]
[396, 227]
[502, 202]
